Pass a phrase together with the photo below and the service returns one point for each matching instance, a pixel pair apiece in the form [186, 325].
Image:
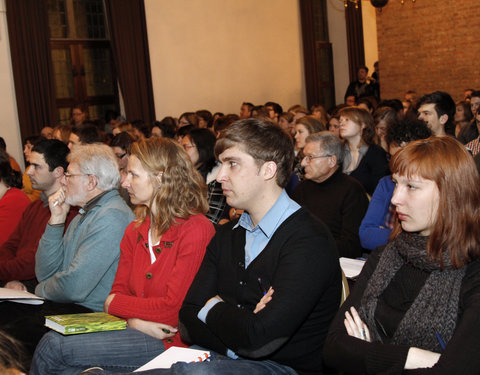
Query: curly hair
[180, 191]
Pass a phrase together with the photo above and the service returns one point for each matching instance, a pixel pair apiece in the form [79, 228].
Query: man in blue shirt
[270, 282]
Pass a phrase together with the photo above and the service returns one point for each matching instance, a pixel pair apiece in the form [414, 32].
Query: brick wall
[430, 45]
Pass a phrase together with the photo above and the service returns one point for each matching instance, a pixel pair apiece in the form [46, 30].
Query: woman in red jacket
[161, 252]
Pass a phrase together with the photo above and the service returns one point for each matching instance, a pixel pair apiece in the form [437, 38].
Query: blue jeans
[116, 351]
[218, 365]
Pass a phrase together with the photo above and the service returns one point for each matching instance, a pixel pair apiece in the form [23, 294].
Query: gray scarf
[434, 310]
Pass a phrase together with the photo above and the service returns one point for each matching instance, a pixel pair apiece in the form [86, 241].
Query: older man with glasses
[337, 199]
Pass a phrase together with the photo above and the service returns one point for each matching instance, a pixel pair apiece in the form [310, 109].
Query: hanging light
[375, 3]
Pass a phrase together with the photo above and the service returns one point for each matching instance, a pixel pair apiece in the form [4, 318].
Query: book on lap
[71, 324]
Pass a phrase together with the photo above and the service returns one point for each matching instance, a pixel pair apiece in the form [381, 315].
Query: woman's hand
[355, 326]
[106, 304]
[263, 302]
[158, 330]
[420, 358]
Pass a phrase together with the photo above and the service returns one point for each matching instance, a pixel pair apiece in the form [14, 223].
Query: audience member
[287, 123]
[463, 123]
[274, 110]
[475, 101]
[165, 128]
[205, 118]
[27, 188]
[86, 134]
[378, 222]
[80, 266]
[167, 242]
[62, 133]
[48, 161]
[474, 146]
[199, 145]
[366, 103]
[188, 118]
[364, 160]
[362, 86]
[78, 114]
[467, 94]
[13, 358]
[47, 132]
[246, 110]
[383, 118]
[417, 298]
[319, 112]
[222, 123]
[13, 201]
[303, 128]
[13, 163]
[337, 199]
[437, 110]
[274, 242]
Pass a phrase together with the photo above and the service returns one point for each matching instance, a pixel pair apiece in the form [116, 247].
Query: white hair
[99, 160]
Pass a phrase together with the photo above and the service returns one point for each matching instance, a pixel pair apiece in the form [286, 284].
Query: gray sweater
[80, 266]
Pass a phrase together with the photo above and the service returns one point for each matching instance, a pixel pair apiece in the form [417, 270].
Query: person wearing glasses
[337, 199]
[75, 270]
[80, 266]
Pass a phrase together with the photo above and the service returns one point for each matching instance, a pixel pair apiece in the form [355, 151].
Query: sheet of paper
[173, 355]
[351, 267]
[19, 296]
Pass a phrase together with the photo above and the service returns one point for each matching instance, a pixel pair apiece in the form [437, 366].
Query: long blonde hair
[179, 189]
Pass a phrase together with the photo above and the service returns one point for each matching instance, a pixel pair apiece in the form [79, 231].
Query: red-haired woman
[416, 303]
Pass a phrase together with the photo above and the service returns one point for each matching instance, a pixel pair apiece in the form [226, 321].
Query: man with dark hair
[437, 110]
[334, 197]
[361, 87]
[246, 110]
[270, 282]
[48, 162]
[86, 134]
[274, 110]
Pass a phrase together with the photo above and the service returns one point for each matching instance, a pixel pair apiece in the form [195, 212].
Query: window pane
[89, 19]
[97, 112]
[57, 19]
[64, 116]
[62, 66]
[98, 71]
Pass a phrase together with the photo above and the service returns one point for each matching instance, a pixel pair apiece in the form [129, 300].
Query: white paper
[173, 355]
[351, 267]
[19, 296]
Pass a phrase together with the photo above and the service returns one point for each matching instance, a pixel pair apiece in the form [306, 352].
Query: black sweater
[372, 167]
[341, 203]
[355, 356]
[300, 263]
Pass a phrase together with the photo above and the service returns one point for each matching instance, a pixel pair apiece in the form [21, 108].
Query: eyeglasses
[68, 175]
[311, 157]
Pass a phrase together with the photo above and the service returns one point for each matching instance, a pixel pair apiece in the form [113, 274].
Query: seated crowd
[225, 231]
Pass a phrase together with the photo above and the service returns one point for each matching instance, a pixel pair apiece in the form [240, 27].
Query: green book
[71, 324]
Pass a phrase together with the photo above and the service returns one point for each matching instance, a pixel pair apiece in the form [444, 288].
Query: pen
[440, 341]
[261, 286]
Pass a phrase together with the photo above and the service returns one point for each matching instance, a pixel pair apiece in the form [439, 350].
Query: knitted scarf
[434, 310]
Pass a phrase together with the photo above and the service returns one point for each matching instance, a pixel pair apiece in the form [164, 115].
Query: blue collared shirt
[256, 239]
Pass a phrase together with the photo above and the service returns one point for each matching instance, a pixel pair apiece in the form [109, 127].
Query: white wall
[215, 54]
[337, 33]
[9, 125]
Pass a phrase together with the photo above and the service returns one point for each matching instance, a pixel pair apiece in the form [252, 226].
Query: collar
[269, 223]
[92, 203]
